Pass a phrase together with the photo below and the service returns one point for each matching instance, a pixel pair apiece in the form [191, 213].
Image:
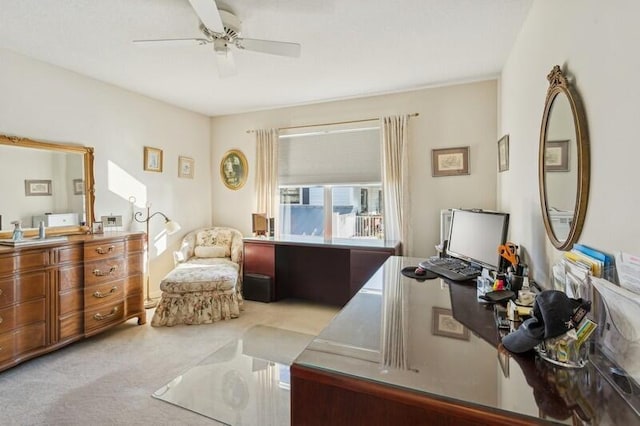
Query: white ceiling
[350, 48]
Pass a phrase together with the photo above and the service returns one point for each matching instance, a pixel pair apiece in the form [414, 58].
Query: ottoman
[195, 293]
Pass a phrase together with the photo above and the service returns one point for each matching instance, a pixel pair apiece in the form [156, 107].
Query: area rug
[244, 382]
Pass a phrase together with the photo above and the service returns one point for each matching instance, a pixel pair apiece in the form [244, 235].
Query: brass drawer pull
[101, 317]
[99, 273]
[109, 249]
[100, 294]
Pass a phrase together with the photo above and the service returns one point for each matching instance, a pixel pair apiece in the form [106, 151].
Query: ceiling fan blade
[282, 48]
[207, 11]
[179, 42]
[226, 63]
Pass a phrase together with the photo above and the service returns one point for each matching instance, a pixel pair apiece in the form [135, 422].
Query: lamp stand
[149, 303]
[171, 228]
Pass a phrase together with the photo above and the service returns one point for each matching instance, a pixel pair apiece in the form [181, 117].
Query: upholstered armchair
[206, 284]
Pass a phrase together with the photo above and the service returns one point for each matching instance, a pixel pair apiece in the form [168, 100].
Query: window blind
[330, 158]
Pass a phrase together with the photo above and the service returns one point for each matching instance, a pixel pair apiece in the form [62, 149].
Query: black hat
[552, 317]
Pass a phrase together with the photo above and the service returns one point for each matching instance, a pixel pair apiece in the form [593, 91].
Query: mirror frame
[558, 86]
[89, 198]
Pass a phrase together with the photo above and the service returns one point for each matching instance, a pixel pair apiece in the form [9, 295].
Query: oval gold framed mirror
[563, 162]
[46, 181]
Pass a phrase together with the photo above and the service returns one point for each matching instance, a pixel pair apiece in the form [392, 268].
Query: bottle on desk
[41, 231]
[17, 230]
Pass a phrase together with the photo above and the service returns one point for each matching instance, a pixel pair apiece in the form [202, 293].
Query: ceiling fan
[221, 29]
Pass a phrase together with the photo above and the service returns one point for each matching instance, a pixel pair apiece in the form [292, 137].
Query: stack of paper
[628, 267]
[621, 334]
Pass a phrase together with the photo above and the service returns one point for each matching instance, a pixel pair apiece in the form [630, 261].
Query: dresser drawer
[7, 319]
[6, 347]
[103, 271]
[70, 277]
[21, 288]
[135, 244]
[103, 316]
[7, 294]
[30, 338]
[97, 296]
[19, 315]
[24, 260]
[71, 301]
[103, 250]
[73, 253]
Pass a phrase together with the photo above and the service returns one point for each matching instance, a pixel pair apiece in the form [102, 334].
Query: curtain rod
[364, 120]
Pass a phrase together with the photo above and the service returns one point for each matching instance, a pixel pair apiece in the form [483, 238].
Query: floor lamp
[171, 227]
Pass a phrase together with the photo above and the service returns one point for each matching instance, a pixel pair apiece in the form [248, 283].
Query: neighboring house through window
[330, 183]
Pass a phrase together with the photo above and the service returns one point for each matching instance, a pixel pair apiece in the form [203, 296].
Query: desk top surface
[399, 331]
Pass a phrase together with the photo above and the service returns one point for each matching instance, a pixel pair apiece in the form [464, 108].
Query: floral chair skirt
[198, 307]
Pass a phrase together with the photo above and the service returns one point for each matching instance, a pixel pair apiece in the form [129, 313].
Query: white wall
[451, 116]
[596, 42]
[44, 102]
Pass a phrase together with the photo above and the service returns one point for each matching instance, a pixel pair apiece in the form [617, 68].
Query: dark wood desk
[313, 269]
[382, 362]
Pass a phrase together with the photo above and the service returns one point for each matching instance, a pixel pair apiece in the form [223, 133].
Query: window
[331, 184]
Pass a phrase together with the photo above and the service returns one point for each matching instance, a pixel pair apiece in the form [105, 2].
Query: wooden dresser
[56, 293]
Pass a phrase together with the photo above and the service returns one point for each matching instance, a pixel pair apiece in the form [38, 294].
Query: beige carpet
[108, 379]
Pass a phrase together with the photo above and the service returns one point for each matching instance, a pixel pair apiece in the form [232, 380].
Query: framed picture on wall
[152, 159]
[234, 169]
[503, 154]
[78, 187]
[185, 167]
[450, 161]
[556, 156]
[35, 187]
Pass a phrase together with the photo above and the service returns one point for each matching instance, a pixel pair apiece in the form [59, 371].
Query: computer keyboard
[451, 268]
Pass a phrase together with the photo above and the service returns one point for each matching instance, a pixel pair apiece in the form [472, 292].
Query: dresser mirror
[48, 182]
[563, 162]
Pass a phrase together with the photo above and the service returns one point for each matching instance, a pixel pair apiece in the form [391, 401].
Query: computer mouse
[420, 271]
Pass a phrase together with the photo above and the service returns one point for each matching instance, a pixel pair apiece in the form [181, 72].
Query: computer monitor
[475, 235]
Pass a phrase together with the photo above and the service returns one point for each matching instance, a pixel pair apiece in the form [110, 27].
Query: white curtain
[395, 180]
[267, 172]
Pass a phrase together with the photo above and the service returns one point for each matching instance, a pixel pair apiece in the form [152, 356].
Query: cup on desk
[515, 283]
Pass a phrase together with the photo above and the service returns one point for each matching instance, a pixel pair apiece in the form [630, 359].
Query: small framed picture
[503, 154]
[556, 156]
[444, 324]
[78, 187]
[450, 161]
[36, 187]
[185, 167]
[152, 159]
[97, 228]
